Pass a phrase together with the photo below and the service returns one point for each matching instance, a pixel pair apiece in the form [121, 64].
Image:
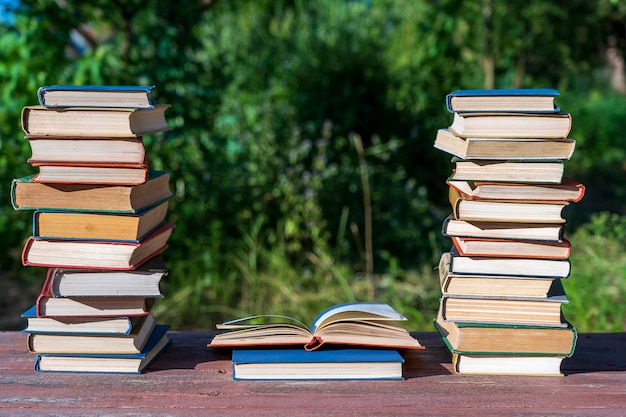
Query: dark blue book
[124, 96]
[531, 100]
[106, 363]
[321, 364]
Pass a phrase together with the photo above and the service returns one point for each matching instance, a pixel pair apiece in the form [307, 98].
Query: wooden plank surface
[192, 380]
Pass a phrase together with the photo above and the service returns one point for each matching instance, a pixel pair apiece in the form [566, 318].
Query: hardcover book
[68, 151]
[529, 172]
[94, 122]
[363, 324]
[512, 125]
[29, 195]
[74, 325]
[514, 364]
[502, 339]
[322, 364]
[97, 174]
[491, 285]
[107, 363]
[141, 282]
[503, 100]
[87, 254]
[509, 248]
[130, 96]
[502, 230]
[505, 211]
[128, 227]
[491, 265]
[501, 148]
[567, 191]
[93, 343]
[530, 311]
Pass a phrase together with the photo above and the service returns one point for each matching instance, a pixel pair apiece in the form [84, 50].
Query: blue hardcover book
[528, 100]
[108, 96]
[107, 363]
[321, 364]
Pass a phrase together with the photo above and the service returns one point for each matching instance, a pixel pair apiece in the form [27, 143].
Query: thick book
[503, 339]
[362, 324]
[491, 285]
[89, 254]
[75, 325]
[107, 363]
[491, 265]
[509, 248]
[129, 227]
[504, 148]
[141, 282]
[67, 151]
[568, 190]
[323, 364]
[130, 96]
[530, 311]
[517, 365]
[526, 100]
[505, 211]
[94, 122]
[512, 125]
[529, 172]
[502, 230]
[93, 343]
[27, 194]
[47, 305]
[87, 173]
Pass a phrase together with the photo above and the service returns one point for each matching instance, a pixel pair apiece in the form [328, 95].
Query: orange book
[568, 190]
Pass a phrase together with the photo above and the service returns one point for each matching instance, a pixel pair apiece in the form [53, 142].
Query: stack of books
[346, 341]
[99, 226]
[502, 295]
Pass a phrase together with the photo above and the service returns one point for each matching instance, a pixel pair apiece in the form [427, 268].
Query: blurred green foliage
[268, 98]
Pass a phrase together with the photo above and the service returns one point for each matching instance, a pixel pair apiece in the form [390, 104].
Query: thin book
[114, 96]
[527, 100]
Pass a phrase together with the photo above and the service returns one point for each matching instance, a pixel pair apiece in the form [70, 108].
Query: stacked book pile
[502, 296]
[99, 226]
[346, 341]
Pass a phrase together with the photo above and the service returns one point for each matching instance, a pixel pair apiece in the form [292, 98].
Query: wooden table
[190, 379]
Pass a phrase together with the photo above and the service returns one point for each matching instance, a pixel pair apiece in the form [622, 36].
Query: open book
[364, 324]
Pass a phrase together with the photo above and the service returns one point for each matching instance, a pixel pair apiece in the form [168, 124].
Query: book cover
[505, 211]
[29, 195]
[91, 173]
[502, 148]
[74, 325]
[79, 343]
[94, 122]
[107, 363]
[141, 282]
[512, 125]
[507, 171]
[550, 232]
[566, 191]
[95, 254]
[527, 100]
[322, 364]
[130, 96]
[506, 339]
[116, 227]
[74, 150]
[491, 265]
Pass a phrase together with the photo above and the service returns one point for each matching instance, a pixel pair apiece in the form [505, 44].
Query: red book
[47, 305]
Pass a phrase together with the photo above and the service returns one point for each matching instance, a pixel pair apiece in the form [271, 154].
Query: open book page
[356, 312]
